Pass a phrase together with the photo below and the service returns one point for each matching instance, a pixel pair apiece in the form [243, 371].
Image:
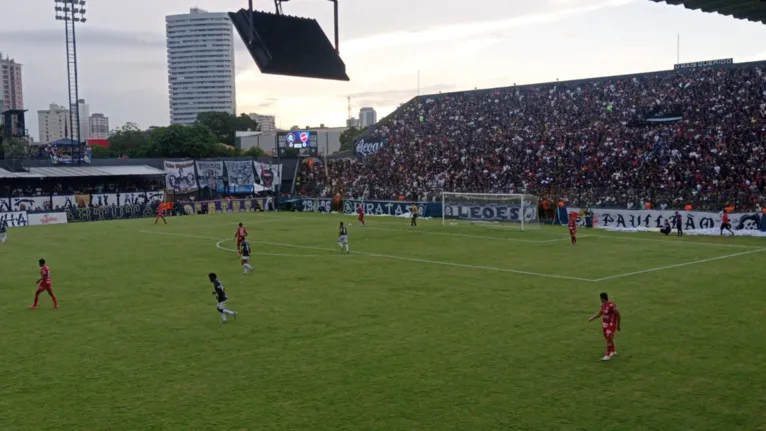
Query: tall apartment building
[367, 117]
[84, 120]
[11, 92]
[99, 126]
[53, 123]
[200, 48]
[268, 123]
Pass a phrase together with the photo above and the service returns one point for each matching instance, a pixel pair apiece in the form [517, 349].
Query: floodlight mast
[72, 12]
[278, 6]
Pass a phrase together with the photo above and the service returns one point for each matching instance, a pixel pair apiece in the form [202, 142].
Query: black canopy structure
[751, 10]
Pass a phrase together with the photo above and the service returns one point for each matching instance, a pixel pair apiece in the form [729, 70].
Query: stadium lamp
[73, 10]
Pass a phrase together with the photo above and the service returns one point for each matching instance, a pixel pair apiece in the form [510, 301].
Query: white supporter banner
[698, 222]
[103, 199]
[14, 219]
[180, 176]
[30, 203]
[132, 198]
[155, 196]
[39, 219]
[65, 201]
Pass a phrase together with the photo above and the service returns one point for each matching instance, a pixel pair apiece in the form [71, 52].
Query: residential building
[53, 123]
[352, 122]
[367, 117]
[200, 50]
[11, 92]
[99, 126]
[268, 123]
[84, 111]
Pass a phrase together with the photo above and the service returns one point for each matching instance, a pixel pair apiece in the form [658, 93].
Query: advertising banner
[391, 208]
[241, 178]
[115, 212]
[210, 175]
[702, 222]
[228, 206]
[511, 213]
[14, 219]
[180, 176]
[39, 219]
[317, 205]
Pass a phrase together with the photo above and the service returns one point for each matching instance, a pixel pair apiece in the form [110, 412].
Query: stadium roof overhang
[751, 10]
[84, 171]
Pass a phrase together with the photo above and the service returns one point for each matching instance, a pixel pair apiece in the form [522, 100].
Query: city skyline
[453, 45]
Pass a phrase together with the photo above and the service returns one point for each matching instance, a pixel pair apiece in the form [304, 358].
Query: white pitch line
[436, 262]
[679, 242]
[387, 256]
[218, 245]
[696, 262]
[541, 241]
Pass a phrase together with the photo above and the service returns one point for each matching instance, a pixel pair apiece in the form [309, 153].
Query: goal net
[511, 210]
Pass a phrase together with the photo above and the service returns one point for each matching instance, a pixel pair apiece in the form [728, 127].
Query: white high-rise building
[268, 123]
[99, 126]
[11, 93]
[84, 120]
[200, 48]
[367, 117]
[53, 123]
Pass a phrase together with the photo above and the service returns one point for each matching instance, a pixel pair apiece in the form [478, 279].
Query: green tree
[224, 125]
[222, 150]
[194, 141]
[348, 137]
[130, 141]
[13, 148]
[99, 152]
[254, 152]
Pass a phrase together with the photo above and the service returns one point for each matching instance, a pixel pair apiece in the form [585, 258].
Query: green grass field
[445, 328]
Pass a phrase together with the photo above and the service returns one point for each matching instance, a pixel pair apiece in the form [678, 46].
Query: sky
[450, 45]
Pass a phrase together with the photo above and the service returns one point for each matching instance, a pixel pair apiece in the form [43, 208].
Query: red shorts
[572, 232]
[361, 216]
[42, 287]
[609, 332]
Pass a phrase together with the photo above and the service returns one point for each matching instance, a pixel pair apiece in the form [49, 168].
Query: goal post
[507, 210]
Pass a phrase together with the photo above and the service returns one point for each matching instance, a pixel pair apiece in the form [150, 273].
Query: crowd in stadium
[77, 186]
[672, 138]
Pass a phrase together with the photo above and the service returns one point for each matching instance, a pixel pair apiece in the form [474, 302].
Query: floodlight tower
[72, 12]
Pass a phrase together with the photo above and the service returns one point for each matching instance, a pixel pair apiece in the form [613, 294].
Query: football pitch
[445, 328]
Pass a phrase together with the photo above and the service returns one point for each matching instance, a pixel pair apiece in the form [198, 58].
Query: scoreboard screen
[299, 139]
[304, 141]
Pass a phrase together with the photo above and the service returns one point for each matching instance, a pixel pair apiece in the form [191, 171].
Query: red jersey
[608, 317]
[360, 209]
[725, 218]
[572, 225]
[241, 233]
[45, 275]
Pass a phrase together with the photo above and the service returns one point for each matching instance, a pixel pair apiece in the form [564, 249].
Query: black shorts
[725, 226]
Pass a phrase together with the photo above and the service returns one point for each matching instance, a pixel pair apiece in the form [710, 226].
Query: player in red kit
[360, 211]
[573, 228]
[240, 236]
[160, 213]
[610, 322]
[726, 223]
[44, 285]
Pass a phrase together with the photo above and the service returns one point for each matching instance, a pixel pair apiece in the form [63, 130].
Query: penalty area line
[388, 256]
[679, 265]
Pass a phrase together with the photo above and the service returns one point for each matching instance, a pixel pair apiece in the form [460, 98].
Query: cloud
[454, 32]
[92, 36]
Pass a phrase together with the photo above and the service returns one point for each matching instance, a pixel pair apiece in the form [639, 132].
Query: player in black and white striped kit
[3, 233]
[220, 295]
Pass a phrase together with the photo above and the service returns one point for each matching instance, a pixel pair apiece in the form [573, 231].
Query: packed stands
[693, 136]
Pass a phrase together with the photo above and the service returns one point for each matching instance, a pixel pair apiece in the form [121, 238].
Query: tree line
[212, 135]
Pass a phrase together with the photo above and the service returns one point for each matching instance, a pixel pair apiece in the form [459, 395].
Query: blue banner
[392, 208]
[115, 212]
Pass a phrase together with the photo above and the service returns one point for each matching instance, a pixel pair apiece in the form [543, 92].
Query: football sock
[228, 312]
[248, 267]
[341, 245]
[55, 300]
[37, 297]
[223, 316]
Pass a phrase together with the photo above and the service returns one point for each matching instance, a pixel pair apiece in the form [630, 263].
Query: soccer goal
[498, 210]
